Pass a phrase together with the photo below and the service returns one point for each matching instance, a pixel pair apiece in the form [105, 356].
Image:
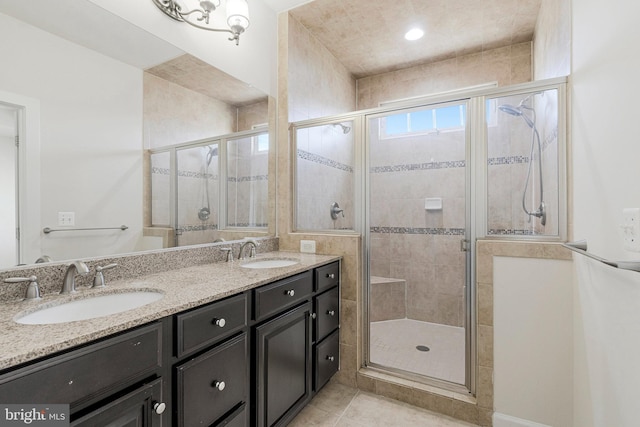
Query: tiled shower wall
[325, 174]
[409, 242]
[247, 184]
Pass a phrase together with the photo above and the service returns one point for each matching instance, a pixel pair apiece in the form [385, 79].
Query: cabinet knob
[220, 385]
[159, 407]
[290, 292]
[330, 358]
[331, 276]
[331, 312]
[313, 315]
[220, 322]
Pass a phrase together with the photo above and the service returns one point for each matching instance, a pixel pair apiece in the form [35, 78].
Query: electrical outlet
[308, 246]
[67, 219]
[631, 229]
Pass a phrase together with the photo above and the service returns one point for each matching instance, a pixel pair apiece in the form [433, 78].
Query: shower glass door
[417, 231]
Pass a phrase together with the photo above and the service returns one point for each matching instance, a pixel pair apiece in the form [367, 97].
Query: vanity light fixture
[414, 34]
[237, 15]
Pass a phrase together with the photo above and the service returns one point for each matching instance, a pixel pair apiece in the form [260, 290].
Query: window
[424, 121]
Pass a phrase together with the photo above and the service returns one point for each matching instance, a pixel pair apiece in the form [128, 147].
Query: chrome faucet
[69, 283]
[252, 252]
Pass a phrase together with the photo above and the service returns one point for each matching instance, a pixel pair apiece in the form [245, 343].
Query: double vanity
[243, 343]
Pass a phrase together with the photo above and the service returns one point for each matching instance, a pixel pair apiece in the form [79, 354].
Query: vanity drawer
[204, 326]
[327, 360]
[327, 313]
[84, 375]
[201, 397]
[327, 276]
[274, 298]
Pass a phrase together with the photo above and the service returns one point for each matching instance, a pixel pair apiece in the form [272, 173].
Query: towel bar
[48, 230]
[581, 247]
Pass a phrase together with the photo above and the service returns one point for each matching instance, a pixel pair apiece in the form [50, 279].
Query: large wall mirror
[90, 115]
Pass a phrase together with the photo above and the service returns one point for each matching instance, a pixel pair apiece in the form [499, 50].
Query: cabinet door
[140, 408]
[283, 352]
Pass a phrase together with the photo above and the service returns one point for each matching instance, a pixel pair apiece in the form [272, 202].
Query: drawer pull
[331, 312]
[290, 293]
[330, 358]
[331, 276]
[220, 385]
[159, 407]
[219, 322]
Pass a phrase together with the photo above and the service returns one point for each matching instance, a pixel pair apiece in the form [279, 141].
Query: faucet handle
[229, 256]
[98, 281]
[33, 291]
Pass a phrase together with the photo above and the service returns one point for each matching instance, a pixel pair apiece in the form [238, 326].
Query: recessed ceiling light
[414, 34]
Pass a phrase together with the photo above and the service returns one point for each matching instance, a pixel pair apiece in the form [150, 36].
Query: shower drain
[422, 348]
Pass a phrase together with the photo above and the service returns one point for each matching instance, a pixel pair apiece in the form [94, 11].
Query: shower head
[510, 109]
[213, 151]
[345, 129]
[517, 112]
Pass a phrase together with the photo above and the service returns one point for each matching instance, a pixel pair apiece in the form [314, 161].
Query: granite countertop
[183, 289]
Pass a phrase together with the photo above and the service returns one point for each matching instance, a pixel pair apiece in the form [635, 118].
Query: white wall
[605, 88]
[533, 348]
[91, 137]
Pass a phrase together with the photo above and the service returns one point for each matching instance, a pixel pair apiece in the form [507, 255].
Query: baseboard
[502, 420]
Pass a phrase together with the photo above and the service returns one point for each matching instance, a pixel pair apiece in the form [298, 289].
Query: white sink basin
[270, 263]
[89, 308]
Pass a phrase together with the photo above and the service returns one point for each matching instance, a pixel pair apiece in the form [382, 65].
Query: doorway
[9, 167]
[417, 238]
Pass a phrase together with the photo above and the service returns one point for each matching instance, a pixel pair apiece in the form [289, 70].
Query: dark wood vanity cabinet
[296, 340]
[253, 359]
[326, 338]
[115, 381]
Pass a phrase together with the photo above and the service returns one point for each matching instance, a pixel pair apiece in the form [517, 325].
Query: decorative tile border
[315, 158]
[510, 232]
[248, 224]
[249, 178]
[493, 161]
[413, 230]
[200, 227]
[418, 166]
[183, 174]
[508, 160]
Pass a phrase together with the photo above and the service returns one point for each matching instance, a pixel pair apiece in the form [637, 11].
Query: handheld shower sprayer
[205, 212]
[519, 111]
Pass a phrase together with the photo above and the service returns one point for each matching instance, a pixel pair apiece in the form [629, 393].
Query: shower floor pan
[394, 344]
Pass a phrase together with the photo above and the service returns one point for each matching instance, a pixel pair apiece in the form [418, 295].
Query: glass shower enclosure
[202, 187]
[428, 177]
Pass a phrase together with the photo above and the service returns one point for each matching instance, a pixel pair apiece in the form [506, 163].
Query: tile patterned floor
[393, 344]
[337, 405]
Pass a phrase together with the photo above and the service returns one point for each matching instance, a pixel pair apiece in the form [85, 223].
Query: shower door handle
[464, 245]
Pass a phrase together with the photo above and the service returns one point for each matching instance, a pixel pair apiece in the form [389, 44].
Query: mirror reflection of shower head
[205, 212]
[345, 129]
